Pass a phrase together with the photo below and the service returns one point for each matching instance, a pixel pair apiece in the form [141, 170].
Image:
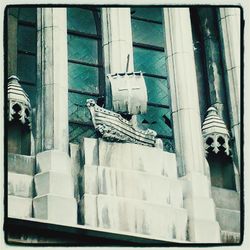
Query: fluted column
[53, 182]
[230, 34]
[117, 43]
[52, 78]
[202, 225]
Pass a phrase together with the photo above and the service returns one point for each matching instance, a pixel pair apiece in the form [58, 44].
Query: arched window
[85, 68]
[149, 57]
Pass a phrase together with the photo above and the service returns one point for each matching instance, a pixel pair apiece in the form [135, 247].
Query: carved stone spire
[18, 102]
[215, 133]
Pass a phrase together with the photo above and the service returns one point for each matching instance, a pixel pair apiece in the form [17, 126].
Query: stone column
[12, 20]
[117, 43]
[230, 35]
[203, 226]
[52, 79]
[53, 181]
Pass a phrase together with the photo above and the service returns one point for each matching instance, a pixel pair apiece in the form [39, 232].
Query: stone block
[55, 183]
[88, 210]
[200, 208]
[130, 215]
[89, 151]
[53, 160]
[75, 167]
[115, 154]
[57, 209]
[88, 180]
[139, 185]
[20, 185]
[225, 198]
[195, 185]
[19, 207]
[137, 157]
[229, 220]
[21, 164]
[204, 231]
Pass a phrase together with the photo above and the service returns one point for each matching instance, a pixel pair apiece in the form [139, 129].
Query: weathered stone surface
[139, 185]
[21, 164]
[204, 231]
[90, 151]
[53, 160]
[141, 217]
[20, 185]
[137, 157]
[59, 209]
[19, 207]
[88, 210]
[195, 184]
[229, 220]
[75, 167]
[225, 198]
[89, 181]
[55, 183]
[200, 208]
[230, 237]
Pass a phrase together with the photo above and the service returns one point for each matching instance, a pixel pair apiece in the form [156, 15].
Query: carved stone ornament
[113, 127]
[129, 93]
[18, 102]
[215, 133]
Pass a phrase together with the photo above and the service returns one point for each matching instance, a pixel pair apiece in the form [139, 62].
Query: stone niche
[130, 188]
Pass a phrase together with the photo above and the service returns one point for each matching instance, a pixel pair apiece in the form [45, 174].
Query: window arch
[85, 68]
[149, 57]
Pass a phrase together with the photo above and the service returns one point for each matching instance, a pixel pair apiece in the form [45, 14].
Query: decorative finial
[215, 133]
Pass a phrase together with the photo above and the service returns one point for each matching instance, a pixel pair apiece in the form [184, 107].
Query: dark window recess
[27, 50]
[85, 69]
[149, 57]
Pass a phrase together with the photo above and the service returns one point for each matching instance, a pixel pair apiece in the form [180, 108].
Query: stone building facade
[65, 178]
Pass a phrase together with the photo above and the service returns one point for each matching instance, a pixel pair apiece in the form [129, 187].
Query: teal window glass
[149, 57]
[85, 69]
[26, 51]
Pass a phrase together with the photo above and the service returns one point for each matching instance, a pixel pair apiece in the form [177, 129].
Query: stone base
[53, 160]
[203, 231]
[21, 164]
[19, 207]
[54, 183]
[56, 209]
[20, 185]
[135, 216]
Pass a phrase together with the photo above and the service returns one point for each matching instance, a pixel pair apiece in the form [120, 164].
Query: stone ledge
[55, 183]
[21, 164]
[55, 208]
[123, 214]
[20, 185]
[19, 207]
[229, 220]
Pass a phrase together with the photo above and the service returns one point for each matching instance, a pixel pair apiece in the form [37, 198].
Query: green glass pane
[147, 33]
[85, 78]
[77, 107]
[31, 92]
[158, 119]
[81, 20]
[82, 49]
[26, 38]
[150, 61]
[78, 132]
[27, 14]
[158, 90]
[26, 68]
[154, 14]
